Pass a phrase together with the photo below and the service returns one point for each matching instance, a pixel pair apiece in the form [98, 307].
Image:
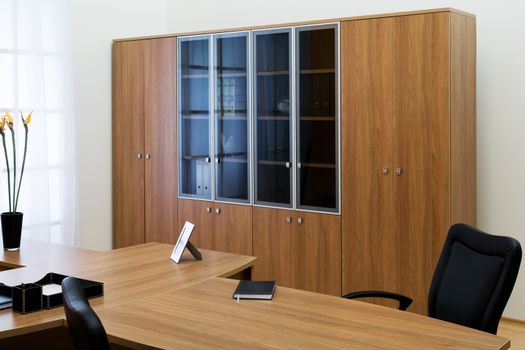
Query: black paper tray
[29, 298]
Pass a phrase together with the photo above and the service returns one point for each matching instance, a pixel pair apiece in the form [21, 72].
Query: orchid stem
[14, 165]
[22, 170]
[8, 171]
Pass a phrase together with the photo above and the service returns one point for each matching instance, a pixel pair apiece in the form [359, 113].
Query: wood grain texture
[421, 149]
[196, 213]
[294, 319]
[304, 23]
[275, 244]
[232, 228]
[305, 256]
[369, 257]
[160, 128]
[319, 253]
[463, 119]
[128, 274]
[128, 142]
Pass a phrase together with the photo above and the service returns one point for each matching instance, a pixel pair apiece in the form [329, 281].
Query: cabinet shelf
[271, 162]
[195, 117]
[234, 117]
[321, 118]
[274, 117]
[195, 76]
[318, 71]
[273, 73]
[199, 157]
[318, 165]
[194, 66]
[232, 75]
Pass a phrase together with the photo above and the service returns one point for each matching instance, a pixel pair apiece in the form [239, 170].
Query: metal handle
[288, 164]
[288, 219]
[217, 210]
[299, 221]
[385, 171]
[148, 156]
[299, 165]
[217, 160]
[139, 155]
[207, 159]
[208, 210]
[399, 171]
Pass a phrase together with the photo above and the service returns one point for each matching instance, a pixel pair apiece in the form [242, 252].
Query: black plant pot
[12, 230]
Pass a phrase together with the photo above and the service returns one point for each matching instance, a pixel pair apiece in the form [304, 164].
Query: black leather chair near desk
[473, 279]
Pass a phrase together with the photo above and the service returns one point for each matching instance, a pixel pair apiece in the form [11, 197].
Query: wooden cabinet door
[369, 254]
[305, 255]
[200, 214]
[232, 228]
[422, 148]
[318, 254]
[128, 143]
[275, 246]
[160, 140]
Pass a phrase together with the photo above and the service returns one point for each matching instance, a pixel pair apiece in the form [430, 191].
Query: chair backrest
[85, 328]
[474, 278]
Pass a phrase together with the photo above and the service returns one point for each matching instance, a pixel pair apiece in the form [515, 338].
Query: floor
[515, 331]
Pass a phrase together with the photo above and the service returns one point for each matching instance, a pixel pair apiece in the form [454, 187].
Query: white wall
[95, 24]
[500, 90]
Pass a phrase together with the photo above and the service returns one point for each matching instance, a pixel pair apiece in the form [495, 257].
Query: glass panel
[194, 117]
[231, 117]
[273, 179]
[7, 34]
[317, 118]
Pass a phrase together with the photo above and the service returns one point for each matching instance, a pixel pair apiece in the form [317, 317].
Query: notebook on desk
[262, 290]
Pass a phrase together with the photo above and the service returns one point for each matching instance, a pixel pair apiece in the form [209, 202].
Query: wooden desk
[151, 302]
[204, 316]
[128, 274]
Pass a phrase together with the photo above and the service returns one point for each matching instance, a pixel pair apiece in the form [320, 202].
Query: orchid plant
[7, 120]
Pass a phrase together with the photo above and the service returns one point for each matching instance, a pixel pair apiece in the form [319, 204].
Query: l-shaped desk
[150, 302]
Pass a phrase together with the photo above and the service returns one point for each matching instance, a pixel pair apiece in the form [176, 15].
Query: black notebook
[255, 290]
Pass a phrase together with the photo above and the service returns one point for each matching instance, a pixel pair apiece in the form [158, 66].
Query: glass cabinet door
[231, 110]
[194, 117]
[273, 111]
[317, 118]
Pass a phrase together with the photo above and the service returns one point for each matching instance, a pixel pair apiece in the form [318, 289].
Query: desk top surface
[151, 301]
[128, 274]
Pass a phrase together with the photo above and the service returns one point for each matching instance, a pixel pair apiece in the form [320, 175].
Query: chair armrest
[404, 302]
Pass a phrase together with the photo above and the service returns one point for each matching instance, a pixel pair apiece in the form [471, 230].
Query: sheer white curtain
[35, 75]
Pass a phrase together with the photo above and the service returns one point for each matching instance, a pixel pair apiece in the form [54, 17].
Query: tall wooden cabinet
[408, 82]
[338, 152]
[144, 151]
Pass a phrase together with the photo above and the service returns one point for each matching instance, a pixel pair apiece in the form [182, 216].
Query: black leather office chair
[472, 281]
[85, 328]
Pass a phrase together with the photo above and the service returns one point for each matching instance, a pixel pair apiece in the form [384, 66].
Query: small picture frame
[184, 242]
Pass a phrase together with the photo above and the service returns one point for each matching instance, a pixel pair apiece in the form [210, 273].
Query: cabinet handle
[208, 210]
[148, 156]
[217, 211]
[288, 164]
[399, 171]
[139, 155]
[299, 165]
[385, 171]
[217, 160]
[299, 221]
[207, 159]
[288, 219]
